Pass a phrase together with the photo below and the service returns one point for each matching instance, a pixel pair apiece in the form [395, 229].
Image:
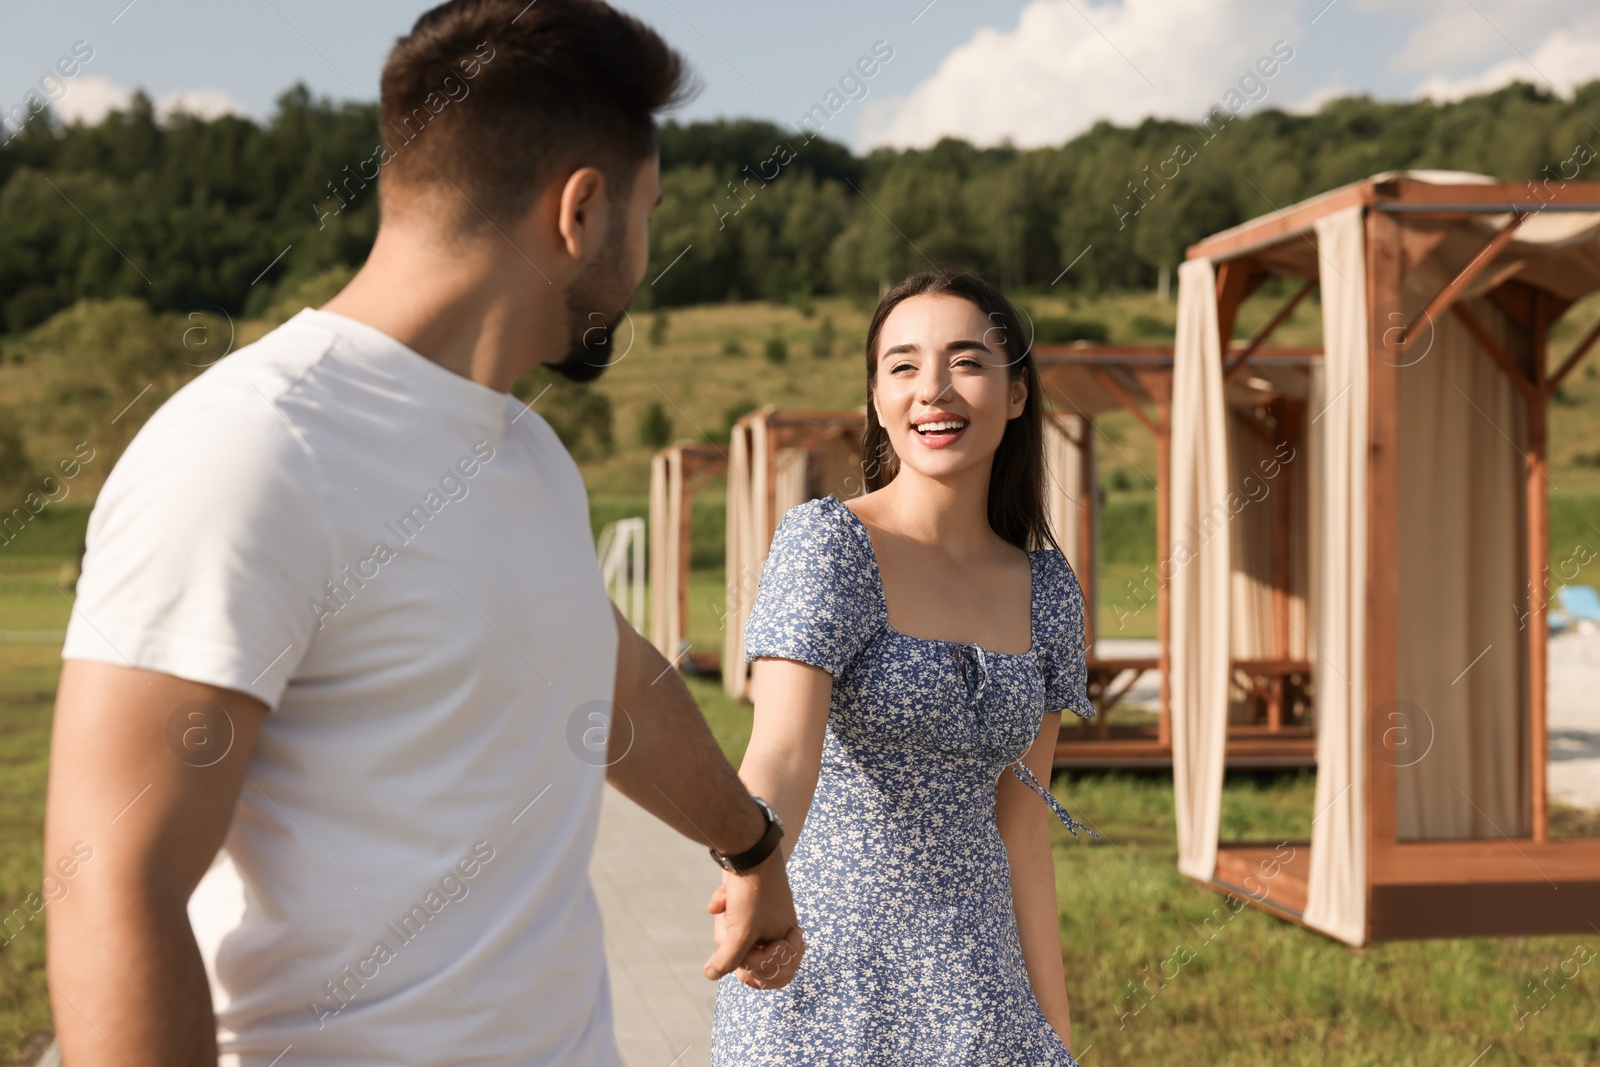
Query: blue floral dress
[900, 877]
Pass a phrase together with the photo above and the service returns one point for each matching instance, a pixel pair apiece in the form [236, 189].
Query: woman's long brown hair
[1017, 480]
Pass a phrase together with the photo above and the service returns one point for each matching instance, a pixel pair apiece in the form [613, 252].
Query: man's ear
[582, 217]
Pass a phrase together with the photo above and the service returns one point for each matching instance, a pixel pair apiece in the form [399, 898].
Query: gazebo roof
[1554, 247]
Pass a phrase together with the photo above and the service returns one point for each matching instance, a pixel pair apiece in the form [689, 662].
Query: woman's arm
[784, 757]
[1023, 819]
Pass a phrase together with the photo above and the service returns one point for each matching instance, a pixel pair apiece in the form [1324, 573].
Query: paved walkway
[653, 885]
[1574, 719]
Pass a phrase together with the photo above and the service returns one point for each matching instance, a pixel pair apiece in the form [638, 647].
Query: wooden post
[1538, 561]
[676, 485]
[1088, 499]
[1285, 411]
[1384, 237]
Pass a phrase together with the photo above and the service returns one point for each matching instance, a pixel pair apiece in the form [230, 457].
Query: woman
[913, 649]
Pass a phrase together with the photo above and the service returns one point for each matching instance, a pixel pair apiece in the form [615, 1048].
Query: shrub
[1058, 330]
[655, 425]
[776, 350]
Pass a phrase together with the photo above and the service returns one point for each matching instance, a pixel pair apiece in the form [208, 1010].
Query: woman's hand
[768, 965]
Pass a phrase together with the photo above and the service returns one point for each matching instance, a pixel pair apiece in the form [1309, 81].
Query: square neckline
[883, 598]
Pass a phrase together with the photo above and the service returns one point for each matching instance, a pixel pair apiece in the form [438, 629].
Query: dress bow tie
[973, 666]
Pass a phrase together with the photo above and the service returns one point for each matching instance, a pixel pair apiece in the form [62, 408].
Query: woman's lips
[939, 440]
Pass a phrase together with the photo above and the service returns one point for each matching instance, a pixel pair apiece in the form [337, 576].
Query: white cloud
[90, 99]
[1449, 41]
[1567, 58]
[1069, 64]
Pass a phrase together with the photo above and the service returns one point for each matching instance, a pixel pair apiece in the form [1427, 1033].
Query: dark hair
[500, 97]
[1017, 481]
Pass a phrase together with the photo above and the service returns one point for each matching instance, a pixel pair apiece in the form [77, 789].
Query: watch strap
[757, 853]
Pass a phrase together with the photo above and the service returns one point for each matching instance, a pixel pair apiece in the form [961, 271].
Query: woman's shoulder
[824, 523]
[1062, 600]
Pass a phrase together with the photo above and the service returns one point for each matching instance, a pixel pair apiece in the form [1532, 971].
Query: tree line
[226, 214]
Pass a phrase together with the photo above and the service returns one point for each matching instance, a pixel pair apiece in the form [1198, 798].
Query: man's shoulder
[233, 416]
[269, 366]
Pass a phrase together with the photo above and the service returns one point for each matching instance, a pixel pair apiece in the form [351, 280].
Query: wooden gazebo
[1426, 461]
[1271, 723]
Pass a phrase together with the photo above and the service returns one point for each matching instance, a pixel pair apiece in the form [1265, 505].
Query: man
[342, 683]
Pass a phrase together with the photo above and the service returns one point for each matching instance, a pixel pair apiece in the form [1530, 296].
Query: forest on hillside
[227, 213]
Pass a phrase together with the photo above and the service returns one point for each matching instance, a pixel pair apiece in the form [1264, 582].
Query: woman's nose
[933, 387]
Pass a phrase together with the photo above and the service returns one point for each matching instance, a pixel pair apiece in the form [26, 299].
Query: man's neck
[485, 313]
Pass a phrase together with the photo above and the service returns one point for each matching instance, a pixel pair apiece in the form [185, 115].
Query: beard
[596, 303]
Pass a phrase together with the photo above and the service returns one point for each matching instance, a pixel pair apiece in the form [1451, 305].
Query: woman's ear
[1019, 395]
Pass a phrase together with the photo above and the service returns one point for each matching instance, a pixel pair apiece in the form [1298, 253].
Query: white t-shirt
[398, 562]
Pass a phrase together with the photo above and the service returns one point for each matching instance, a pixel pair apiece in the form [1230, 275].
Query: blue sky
[1034, 71]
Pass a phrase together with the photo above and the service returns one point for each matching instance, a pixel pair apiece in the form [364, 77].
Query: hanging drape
[1336, 898]
[1463, 673]
[1197, 560]
[1066, 452]
[1264, 477]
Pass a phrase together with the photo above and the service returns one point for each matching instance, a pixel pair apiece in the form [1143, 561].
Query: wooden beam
[1410, 192]
[1536, 485]
[1157, 385]
[1481, 333]
[1266, 331]
[1569, 364]
[1382, 534]
[1289, 413]
[1115, 390]
[1283, 224]
[1235, 282]
[1451, 292]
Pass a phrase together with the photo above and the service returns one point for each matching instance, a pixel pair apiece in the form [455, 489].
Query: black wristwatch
[758, 852]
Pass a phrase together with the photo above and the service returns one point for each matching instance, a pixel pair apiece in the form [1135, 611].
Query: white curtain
[1336, 901]
[1064, 446]
[1198, 552]
[1462, 542]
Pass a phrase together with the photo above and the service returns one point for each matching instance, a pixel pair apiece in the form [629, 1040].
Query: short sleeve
[202, 549]
[1066, 668]
[813, 602]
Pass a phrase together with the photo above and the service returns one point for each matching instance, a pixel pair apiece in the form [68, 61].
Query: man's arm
[674, 769]
[145, 769]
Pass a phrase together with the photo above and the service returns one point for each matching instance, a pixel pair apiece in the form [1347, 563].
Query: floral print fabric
[900, 877]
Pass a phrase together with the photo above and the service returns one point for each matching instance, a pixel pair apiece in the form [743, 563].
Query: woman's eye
[968, 361]
[898, 367]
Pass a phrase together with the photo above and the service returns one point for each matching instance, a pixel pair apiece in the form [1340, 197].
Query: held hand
[755, 927]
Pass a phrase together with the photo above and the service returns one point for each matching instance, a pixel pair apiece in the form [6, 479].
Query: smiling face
[943, 387]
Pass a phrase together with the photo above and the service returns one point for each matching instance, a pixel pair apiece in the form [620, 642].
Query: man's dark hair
[500, 97]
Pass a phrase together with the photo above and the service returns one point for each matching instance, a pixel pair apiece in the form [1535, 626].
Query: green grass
[28, 675]
[1244, 988]
[1247, 988]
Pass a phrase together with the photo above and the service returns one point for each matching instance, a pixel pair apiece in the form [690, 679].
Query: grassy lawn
[1152, 982]
[28, 675]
